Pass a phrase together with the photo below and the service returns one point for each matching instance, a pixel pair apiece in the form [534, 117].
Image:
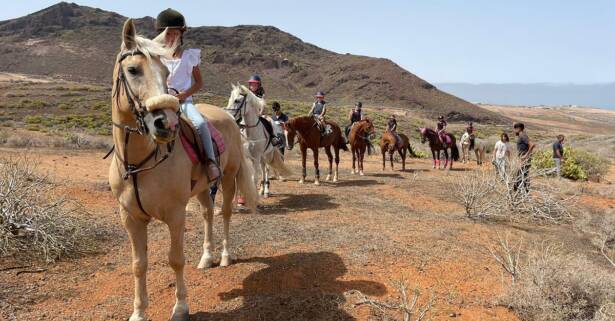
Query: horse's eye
[237, 101]
[133, 70]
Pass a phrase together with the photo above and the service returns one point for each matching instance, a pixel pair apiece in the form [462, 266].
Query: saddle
[273, 139]
[192, 141]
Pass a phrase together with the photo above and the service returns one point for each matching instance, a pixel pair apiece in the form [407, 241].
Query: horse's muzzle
[162, 125]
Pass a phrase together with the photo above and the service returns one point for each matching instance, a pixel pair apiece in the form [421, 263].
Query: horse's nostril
[159, 123]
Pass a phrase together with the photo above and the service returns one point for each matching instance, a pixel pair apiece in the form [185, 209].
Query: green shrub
[578, 164]
[33, 119]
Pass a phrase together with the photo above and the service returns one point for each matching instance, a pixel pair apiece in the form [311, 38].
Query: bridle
[140, 112]
[239, 113]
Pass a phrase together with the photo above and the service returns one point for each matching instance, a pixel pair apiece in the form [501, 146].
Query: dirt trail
[295, 260]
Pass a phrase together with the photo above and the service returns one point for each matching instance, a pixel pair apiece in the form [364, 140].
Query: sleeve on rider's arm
[194, 57]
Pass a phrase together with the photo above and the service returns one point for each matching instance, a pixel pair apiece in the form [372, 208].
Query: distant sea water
[539, 94]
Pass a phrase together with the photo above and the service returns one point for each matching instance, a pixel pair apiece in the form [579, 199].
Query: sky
[480, 41]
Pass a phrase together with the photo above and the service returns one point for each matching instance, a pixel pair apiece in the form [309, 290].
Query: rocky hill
[79, 43]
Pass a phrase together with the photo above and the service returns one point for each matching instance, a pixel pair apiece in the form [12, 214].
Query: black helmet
[275, 106]
[255, 79]
[319, 94]
[359, 104]
[170, 19]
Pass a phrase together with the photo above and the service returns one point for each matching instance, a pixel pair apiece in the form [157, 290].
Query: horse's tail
[277, 163]
[454, 150]
[245, 181]
[341, 144]
[410, 150]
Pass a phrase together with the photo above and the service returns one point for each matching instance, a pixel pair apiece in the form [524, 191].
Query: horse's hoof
[135, 317]
[316, 182]
[225, 260]
[328, 178]
[352, 172]
[334, 179]
[206, 262]
[266, 195]
[361, 173]
[281, 179]
[180, 312]
[180, 317]
[301, 181]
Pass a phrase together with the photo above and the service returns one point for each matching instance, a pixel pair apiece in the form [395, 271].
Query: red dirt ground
[295, 259]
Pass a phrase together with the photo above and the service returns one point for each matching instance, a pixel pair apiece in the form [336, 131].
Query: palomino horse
[359, 137]
[152, 174]
[309, 136]
[389, 143]
[478, 146]
[246, 107]
[436, 146]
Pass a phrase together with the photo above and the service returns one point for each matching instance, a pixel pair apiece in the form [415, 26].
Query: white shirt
[500, 149]
[180, 70]
[465, 138]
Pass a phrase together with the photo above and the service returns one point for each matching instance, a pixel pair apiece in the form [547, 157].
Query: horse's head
[290, 132]
[242, 103]
[368, 127]
[423, 132]
[140, 87]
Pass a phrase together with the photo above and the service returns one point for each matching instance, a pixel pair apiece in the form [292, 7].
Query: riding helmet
[255, 79]
[359, 104]
[275, 106]
[320, 94]
[170, 19]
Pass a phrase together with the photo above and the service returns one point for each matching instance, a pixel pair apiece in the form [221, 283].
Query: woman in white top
[501, 154]
[185, 79]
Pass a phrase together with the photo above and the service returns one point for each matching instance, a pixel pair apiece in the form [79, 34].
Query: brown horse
[436, 146]
[388, 142]
[151, 173]
[359, 142]
[309, 136]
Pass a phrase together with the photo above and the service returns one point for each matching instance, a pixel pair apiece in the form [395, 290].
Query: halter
[238, 112]
[132, 170]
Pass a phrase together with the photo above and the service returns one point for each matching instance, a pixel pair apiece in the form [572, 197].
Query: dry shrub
[599, 225]
[556, 286]
[407, 307]
[22, 139]
[485, 194]
[36, 222]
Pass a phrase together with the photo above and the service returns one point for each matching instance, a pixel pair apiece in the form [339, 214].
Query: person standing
[524, 149]
[558, 154]
[501, 155]
[279, 119]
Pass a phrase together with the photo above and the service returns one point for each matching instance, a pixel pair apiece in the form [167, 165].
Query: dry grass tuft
[35, 222]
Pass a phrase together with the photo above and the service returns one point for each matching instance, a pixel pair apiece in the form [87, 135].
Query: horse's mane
[252, 98]
[153, 47]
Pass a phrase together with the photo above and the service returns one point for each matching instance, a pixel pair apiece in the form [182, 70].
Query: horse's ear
[244, 89]
[161, 37]
[129, 35]
[233, 86]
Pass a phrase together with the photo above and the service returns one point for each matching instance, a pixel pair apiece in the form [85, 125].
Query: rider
[183, 68]
[318, 111]
[256, 87]
[392, 128]
[441, 127]
[355, 115]
[279, 118]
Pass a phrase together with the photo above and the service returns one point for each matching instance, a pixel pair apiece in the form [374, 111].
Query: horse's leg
[402, 154]
[228, 190]
[259, 175]
[176, 224]
[438, 158]
[316, 169]
[433, 155]
[330, 158]
[207, 210]
[137, 233]
[265, 171]
[391, 159]
[354, 158]
[360, 161]
[303, 161]
[384, 151]
[337, 163]
[446, 158]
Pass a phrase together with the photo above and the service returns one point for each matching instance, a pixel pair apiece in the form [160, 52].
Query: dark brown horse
[436, 146]
[309, 136]
[359, 142]
[389, 143]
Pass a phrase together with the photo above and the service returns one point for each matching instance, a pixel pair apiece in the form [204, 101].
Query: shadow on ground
[289, 203]
[295, 286]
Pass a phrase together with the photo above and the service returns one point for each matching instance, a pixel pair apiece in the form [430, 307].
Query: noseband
[139, 111]
[238, 112]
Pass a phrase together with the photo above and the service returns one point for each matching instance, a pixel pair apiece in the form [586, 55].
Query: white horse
[246, 107]
[479, 148]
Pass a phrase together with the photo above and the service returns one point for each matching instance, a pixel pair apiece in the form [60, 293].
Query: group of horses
[153, 177]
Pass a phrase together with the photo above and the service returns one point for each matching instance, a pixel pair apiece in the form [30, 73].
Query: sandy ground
[295, 260]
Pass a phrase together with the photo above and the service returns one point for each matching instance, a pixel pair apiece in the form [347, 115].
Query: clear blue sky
[520, 41]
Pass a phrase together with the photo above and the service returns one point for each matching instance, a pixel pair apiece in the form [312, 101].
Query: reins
[131, 169]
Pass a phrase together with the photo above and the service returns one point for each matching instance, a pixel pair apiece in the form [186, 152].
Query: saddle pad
[192, 141]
